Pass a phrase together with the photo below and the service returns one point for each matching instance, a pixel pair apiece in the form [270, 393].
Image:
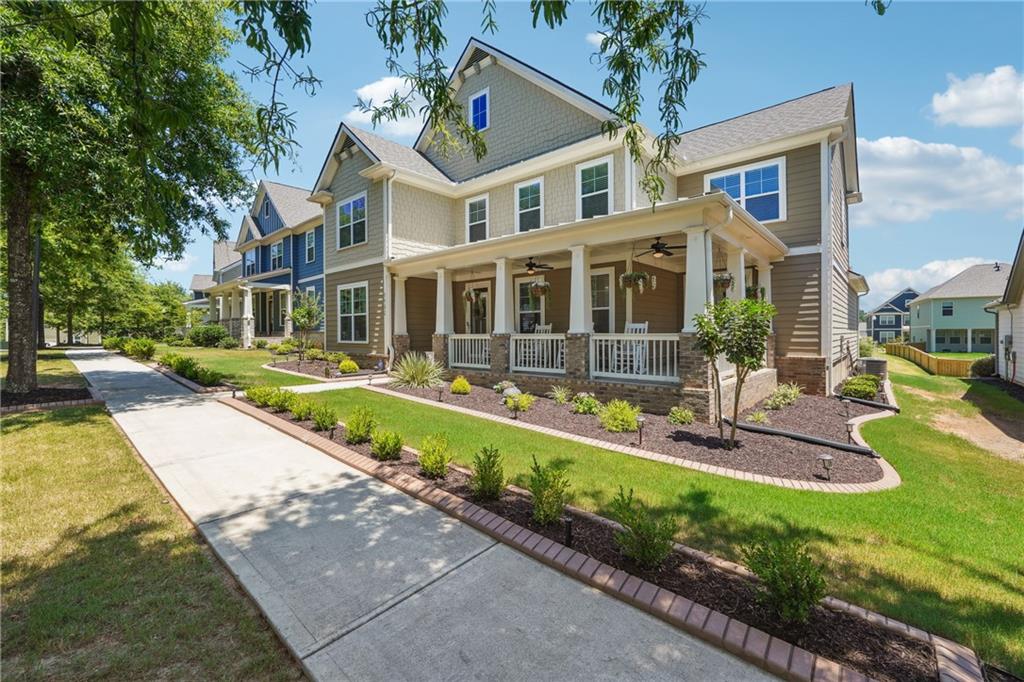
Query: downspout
[389, 346]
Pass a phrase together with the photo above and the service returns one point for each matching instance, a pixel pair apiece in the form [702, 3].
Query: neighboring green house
[951, 317]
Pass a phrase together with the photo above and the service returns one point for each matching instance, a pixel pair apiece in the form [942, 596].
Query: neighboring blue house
[281, 247]
[889, 321]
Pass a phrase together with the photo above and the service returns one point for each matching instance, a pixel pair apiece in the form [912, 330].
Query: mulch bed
[847, 639]
[320, 369]
[813, 415]
[754, 452]
[44, 394]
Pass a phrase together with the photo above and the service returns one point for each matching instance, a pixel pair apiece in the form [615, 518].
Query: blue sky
[939, 98]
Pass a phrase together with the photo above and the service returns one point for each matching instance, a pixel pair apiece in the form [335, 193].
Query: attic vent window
[480, 110]
[266, 209]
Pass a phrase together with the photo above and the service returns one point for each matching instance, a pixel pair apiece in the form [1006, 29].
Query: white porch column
[699, 292]
[211, 308]
[288, 327]
[504, 320]
[736, 263]
[968, 340]
[764, 280]
[580, 321]
[230, 303]
[443, 319]
[247, 321]
[931, 340]
[401, 324]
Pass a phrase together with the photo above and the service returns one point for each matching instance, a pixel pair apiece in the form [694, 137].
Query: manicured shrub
[867, 347]
[359, 427]
[208, 377]
[281, 400]
[260, 394]
[784, 394]
[585, 403]
[416, 370]
[141, 349]
[286, 347]
[272, 348]
[791, 583]
[228, 343]
[348, 367]
[435, 456]
[863, 386]
[336, 358]
[386, 445]
[488, 478]
[260, 343]
[758, 417]
[680, 416]
[460, 386]
[172, 339]
[521, 402]
[302, 408]
[560, 394]
[645, 538]
[207, 335]
[550, 489]
[315, 354]
[984, 367]
[618, 416]
[325, 417]
[114, 343]
[502, 386]
[182, 365]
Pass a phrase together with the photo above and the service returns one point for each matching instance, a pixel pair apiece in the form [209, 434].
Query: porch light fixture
[640, 427]
[532, 266]
[826, 463]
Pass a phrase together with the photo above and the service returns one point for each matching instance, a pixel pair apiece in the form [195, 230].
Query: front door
[478, 306]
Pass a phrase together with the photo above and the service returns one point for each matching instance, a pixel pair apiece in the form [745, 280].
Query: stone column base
[500, 353]
[807, 371]
[401, 344]
[577, 356]
[440, 346]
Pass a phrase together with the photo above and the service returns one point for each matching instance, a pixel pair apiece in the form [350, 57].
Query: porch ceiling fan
[532, 267]
[660, 249]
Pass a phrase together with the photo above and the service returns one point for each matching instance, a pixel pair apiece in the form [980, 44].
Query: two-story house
[888, 321]
[1009, 312]
[951, 317]
[280, 251]
[528, 263]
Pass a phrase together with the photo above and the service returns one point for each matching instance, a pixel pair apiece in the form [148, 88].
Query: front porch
[548, 309]
[252, 310]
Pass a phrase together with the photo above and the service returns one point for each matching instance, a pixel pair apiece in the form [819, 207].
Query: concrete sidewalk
[363, 582]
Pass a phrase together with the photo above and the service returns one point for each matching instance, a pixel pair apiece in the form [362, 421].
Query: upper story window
[311, 246]
[947, 309]
[594, 188]
[529, 205]
[476, 218]
[480, 109]
[352, 221]
[760, 188]
[887, 320]
[249, 257]
[266, 208]
[277, 255]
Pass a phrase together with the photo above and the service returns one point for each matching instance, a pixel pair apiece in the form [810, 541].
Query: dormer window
[480, 110]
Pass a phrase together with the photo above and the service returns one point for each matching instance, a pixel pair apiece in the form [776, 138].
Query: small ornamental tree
[307, 315]
[737, 330]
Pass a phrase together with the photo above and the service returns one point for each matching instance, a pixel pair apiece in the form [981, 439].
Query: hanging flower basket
[638, 280]
[539, 289]
[724, 279]
[471, 295]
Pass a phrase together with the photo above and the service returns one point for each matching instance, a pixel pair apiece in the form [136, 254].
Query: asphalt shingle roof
[982, 280]
[399, 155]
[291, 203]
[201, 283]
[224, 254]
[788, 118]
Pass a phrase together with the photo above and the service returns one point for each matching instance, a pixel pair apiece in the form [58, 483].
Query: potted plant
[540, 288]
[723, 279]
[638, 279]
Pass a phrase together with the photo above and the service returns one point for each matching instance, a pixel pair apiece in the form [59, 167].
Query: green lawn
[242, 367]
[944, 551]
[962, 356]
[52, 366]
[102, 577]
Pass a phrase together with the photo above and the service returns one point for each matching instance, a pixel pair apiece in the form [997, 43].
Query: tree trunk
[736, 407]
[71, 327]
[40, 326]
[21, 371]
[718, 399]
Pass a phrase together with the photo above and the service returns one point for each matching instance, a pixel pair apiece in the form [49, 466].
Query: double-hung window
[594, 188]
[476, 218]
[352, 313]
[529, 308]
[530, 205]
[250, 262]
[887, 320]
[311, 246]
[480, 110]
[947, 309]
[277, 255]
[352, 221]
[760, 188]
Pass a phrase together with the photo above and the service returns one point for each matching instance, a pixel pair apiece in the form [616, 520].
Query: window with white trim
[530, 205]
[760, 188]
[351, 221]
[529, 308]
[311, 246]
[249, 258]
[353, 317]
[476, 218]
[277, 255]
[480, 109]
[266, 208]
[883, 337]
[594, 188]
[887, 320]
[947, 309]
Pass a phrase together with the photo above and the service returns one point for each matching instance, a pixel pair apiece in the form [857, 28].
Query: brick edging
[187, 383]
[890, 478]
[95, 401]
[955, 661]
[335, 380]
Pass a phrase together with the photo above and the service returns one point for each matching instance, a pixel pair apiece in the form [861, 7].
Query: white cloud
[887, 283]
[378, 92]
[1018, 139]
[595, 39]
[905, 180]
[183, 264]
[982, 100]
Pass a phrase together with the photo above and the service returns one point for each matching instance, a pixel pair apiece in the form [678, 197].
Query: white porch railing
[472, 351]
[542, 353]
[640, 357]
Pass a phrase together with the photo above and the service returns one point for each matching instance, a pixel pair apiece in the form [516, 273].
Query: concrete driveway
[365, 583]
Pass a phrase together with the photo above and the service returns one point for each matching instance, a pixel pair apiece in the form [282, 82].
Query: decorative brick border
[95, 400]
[890, 478]
[188, 383]
[335, 380]
[955, 662]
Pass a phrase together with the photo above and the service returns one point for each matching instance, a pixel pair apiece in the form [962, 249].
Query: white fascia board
[776, 146]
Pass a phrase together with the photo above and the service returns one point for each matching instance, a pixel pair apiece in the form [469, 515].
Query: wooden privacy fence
[947, 367]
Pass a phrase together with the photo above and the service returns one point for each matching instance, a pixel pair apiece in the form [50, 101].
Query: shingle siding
[347, 183]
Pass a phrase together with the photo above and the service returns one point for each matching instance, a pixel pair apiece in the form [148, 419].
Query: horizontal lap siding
[844, 349]
[661, 308]
[796, 293]
[373, 275]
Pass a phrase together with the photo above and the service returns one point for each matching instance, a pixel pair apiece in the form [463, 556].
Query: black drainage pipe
[870, 403]
[848, 447]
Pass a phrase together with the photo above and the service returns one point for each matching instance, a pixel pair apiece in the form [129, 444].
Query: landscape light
[640, 427]
[826, 463]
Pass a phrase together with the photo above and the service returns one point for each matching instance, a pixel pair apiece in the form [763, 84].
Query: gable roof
[399, 155]
[290, 202]
[890, 304]
[1015, 280]
[248, 227]
[986, 280]
[224, 254]
[201, 283]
